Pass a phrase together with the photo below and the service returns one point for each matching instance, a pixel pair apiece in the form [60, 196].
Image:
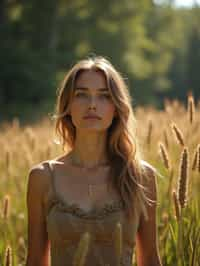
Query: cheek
[109, 109]
[109, 105]
[76, 106]
[77, 110]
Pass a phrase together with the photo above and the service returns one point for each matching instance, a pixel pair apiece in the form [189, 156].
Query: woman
[91, 205]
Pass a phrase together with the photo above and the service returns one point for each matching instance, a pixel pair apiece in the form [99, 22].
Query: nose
[92, 103]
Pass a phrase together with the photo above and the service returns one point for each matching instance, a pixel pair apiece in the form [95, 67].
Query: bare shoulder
[38, 177]
[148, 168]
[146, 240]
[150, 179]
[39, 170]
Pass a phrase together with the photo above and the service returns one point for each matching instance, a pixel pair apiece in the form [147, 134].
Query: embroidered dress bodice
[69, 226]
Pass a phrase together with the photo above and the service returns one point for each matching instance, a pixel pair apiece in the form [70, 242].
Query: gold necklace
[91, 187]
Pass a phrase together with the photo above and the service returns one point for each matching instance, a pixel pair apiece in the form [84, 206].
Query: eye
[79, 94]
[105, 96]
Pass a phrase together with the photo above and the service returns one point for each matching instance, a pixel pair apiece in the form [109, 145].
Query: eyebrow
[86, 89]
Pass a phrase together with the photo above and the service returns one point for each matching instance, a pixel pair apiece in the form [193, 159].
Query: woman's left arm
[147, 252]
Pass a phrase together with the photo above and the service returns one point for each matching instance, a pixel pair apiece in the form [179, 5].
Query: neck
[90, 150]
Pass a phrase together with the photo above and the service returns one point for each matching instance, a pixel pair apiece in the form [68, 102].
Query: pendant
[90, 190]
[99, 189]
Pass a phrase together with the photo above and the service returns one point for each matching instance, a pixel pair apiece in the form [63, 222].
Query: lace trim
[94, 213]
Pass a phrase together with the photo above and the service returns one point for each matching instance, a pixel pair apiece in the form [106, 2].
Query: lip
[91, 117]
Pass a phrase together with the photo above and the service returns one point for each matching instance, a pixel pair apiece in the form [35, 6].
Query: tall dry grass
[169, 141]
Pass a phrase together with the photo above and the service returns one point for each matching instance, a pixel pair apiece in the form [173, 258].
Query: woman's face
[92, 98]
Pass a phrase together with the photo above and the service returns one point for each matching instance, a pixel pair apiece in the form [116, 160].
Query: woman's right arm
[38, 243]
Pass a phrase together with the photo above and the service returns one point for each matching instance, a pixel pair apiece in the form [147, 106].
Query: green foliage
[151, 45]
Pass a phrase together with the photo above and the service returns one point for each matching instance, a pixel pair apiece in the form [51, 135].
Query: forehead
[91, 79]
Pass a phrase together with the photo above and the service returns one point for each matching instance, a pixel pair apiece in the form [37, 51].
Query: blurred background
[155, 45]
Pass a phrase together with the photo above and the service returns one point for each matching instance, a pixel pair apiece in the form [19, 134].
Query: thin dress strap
[51, 173]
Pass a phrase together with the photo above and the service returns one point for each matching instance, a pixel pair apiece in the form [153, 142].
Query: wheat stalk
[6, 207]
[191, 107]
[8, 256]
[176, 205]
[165, 217]
[178, 134]
[166, 139]
[8, 161]
[82, 250]
[195, 158]
[183, 178]
[196, 245]
[170, 180]
[198, 158]
[149, 133]
[15, 124]
[48, 151]
[164, 155]
[118, 241]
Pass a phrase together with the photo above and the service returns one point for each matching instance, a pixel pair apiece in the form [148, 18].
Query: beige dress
[66, 224]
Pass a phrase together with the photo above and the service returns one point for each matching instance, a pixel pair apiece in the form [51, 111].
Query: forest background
[156, 47]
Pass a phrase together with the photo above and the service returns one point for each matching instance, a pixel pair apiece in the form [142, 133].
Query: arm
[147, 253]
[38, 244]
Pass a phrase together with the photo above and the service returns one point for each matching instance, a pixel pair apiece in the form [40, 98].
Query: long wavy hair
[127, 171]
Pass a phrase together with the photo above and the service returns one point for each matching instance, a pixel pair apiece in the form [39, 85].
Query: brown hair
[127, 170]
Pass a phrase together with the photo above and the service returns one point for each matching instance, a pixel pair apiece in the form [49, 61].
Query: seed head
[183, 178]
[176, 205]
[195, 162]
[191, 107]
[8, 256]
[149, 133]
[178, 134]
[6, 207]
[164, 155]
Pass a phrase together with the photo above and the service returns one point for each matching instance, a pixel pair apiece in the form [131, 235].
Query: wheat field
[170, 141]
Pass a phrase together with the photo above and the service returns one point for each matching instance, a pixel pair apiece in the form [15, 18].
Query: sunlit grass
[170, 142]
